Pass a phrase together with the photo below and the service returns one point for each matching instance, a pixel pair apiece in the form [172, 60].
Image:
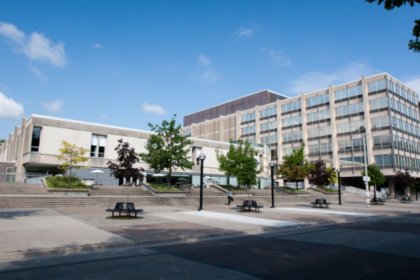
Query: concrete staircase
[117, 191]
[22, 189]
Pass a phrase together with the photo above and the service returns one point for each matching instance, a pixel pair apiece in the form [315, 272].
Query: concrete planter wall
[66, 192]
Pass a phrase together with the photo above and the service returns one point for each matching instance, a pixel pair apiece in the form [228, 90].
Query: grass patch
[62, 182]
[123, 218]
[327, 190]
[164, 188]
[292, 190]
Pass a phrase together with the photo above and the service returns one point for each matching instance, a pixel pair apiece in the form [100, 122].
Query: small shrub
[62, 182]
[292, 190]
[164, 187]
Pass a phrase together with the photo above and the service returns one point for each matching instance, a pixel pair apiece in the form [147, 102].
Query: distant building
[30, 152]
[329, 122]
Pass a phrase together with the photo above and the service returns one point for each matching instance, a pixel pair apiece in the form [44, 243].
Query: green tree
[377, 179]
[295, 167]
[167, 148]
[240, 162]
[71, 155]
[321, 175]
[126, 158]
[413, 45]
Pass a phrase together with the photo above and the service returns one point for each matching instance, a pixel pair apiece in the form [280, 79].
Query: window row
[350, 144]
[350, 127]
[382, 140]
[381, 160]
[269, 139]
[317, 100]
[378, 103]
[320, 148]
[248, 130]
[292, 136]
[348, 92]
[187, 132]
[352, 161]
[403, 93]
[349, 109]
[292, 121]
[268, 112]
[405, 126]
[406, 162]
[319, 131]
[377, 85]
[380, 122]
[293, 106]
[405, 144]
[248, 117]
[403, 109]
[268, 126]
[318, 116]
[97, 146]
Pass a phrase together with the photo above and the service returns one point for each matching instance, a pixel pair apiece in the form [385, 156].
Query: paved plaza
[219, 242]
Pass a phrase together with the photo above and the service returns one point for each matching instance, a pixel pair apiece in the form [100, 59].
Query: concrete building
[329, 122]
[30, 152]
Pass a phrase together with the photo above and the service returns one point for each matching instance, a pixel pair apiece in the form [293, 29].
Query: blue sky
[128, 63]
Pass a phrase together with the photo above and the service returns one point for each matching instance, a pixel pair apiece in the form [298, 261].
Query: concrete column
[304, 133]
[20, 152]
[279, 132]
[334, 142]
[366, 107]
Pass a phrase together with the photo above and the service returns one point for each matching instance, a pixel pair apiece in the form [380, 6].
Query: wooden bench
[124, 208]
[405, 199]
[377, 201]
[247, 205]
[320, 203]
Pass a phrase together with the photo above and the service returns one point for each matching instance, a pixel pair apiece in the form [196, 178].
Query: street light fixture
[272, 165]
[366, 177]
[339, 186]
[202, 157]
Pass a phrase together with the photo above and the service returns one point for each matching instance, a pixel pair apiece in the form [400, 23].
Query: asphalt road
[384, 248]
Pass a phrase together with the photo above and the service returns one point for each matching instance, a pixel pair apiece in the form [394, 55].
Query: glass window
[97, 146]
[377, 85]
[380, 122]
[293, 106]
[378, 103]
[292, 121]
[349, 109]
[36, 137]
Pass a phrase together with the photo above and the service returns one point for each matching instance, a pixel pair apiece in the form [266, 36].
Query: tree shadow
[12, 214]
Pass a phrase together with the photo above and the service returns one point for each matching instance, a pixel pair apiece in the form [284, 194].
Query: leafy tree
[239, 161]
[391, 4]
[71, 155]
[377, 179]
[295, 166]
[126, 158]
[167, 148]
[320, 175]
[403, 180]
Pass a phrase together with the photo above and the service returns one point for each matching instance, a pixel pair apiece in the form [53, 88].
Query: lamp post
[339, 186]
[202, 157]
[272, 165]
[366, 177]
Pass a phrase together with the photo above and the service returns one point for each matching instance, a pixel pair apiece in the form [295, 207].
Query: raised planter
[295, 193]
[165, 193]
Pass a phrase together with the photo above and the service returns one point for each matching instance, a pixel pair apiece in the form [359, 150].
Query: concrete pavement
[31, 232]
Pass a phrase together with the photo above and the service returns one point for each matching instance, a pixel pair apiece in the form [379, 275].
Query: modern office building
[30, 152]
[329, 121]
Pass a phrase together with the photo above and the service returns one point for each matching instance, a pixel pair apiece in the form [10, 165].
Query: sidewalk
[31, 232]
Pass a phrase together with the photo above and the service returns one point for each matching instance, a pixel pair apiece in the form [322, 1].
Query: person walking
[229, 197]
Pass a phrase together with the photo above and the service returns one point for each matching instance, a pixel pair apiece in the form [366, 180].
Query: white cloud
[246, 31]
[10, 31]
[10, 108]
[154, 109]
[97, 46]
[37, 72]
[278, 57]
[103, 116]
[209, 76]
[55, 106]
[36, 46]
[313, 81]
[203, 60]
[414, 84]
